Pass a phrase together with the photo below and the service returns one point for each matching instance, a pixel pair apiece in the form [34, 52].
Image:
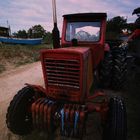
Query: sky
[23, 14]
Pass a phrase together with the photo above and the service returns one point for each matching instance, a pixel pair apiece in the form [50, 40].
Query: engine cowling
[67, 73]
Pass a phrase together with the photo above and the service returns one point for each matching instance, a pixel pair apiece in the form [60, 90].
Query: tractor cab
[85, 30]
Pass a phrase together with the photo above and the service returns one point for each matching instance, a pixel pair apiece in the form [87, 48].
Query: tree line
[115, 28]
[36, 31]
[118, 26]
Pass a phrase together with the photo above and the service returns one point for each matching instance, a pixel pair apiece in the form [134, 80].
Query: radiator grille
[64, 73]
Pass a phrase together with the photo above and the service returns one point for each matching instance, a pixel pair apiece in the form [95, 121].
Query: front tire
[116, 124]
[18, 117]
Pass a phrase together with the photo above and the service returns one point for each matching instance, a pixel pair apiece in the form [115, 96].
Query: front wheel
[115, 127]
[18, 117]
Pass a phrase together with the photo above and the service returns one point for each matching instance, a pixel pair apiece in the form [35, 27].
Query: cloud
[24, 14]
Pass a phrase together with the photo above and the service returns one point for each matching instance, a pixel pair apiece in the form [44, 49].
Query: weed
[17, 55]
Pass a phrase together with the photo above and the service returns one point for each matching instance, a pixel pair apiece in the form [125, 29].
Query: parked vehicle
[69, 71]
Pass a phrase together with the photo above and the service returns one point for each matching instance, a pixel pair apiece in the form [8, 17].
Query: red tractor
[69, 75]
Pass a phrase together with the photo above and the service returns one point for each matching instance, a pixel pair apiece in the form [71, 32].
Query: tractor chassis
[48, 114]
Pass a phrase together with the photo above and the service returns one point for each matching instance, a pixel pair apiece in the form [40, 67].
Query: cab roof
[86, 15]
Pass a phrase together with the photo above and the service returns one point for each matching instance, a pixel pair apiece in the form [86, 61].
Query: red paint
[68, 76]
[135, 34]
[107, 47]
[74, 67]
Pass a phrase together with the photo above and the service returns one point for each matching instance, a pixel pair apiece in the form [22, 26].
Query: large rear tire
[18, 117]
[113, 69]
[116, 124]
[119, 69]
[105, 70]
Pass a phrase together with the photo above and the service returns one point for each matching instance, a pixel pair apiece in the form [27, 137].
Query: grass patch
[16, 55]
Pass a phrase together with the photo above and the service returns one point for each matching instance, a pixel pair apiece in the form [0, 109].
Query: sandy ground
[10, 83]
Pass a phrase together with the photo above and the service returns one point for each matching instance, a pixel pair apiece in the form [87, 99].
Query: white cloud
[24, 14]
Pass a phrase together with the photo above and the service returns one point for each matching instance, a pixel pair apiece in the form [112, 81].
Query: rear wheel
[113, 69]
[18, 117]
[105, 70]
[116, 124]
[119, 69]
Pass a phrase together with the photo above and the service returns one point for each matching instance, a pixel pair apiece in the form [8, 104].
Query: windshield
[83, 31]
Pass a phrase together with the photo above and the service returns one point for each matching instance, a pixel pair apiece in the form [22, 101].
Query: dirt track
[10, 83]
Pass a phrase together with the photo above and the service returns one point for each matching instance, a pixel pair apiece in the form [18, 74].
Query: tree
[115, 26]
[48, 38]
[21, 34]
[36, 31]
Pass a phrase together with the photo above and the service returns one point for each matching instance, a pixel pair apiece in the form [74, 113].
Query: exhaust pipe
[55, 31]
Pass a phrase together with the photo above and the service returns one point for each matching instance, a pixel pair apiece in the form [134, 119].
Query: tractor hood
[67, 73]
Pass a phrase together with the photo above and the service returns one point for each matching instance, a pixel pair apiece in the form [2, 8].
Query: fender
[106, 47]
[37, 88]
